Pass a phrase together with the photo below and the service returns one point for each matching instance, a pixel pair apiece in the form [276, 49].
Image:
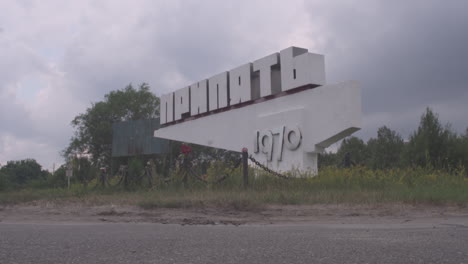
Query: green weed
[357, 185]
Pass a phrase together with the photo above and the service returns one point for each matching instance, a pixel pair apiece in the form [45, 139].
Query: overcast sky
[56, 57]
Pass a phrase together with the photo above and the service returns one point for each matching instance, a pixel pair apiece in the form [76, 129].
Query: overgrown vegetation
[429, 168]
[93, 134]
[430, 146]
[331, 185]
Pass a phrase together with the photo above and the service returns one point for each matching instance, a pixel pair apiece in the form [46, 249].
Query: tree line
[432, 145]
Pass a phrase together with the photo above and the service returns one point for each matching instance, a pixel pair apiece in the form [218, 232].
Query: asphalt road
[159, 243]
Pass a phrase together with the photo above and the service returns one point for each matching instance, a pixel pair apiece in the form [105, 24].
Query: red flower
[185, 149]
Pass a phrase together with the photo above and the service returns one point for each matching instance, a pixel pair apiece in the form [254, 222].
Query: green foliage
[357, 150]
[4, 182]
[83, 170]
[203, 156]
[385, 150]
[136, 170]
[58, 179]
[328, 159]
[457, 152]
[435, 146]
[428, 144]
[432, 146]
[357, 185]
[93, 134]
[17, 174]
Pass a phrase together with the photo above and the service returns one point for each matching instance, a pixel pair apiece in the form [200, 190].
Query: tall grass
[356, 185]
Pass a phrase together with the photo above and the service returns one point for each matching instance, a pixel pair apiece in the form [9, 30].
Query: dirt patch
[274, 214]
[112, 212]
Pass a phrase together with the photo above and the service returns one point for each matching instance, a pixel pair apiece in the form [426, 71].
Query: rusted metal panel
[132, 138]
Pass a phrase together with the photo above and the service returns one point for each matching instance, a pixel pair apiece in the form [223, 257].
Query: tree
[430, 144]
[385, 150]
[4, 182]
[355, 149]
[20, 173]
[464, 145]
[326, 159]
[93, 134]
[58, 179]
[457, 151]
[83, 171]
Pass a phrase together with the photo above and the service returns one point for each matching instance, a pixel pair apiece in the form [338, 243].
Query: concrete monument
[278, 107]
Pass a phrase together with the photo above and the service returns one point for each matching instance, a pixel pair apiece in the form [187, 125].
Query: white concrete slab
[323, 115]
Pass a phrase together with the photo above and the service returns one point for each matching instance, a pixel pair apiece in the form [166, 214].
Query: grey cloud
[16, 62]
[14, 119]
[407, 55]
[17, 116]
[193, 40]
[155, 45]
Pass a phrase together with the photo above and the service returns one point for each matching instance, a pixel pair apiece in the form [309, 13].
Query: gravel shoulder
[381, 214]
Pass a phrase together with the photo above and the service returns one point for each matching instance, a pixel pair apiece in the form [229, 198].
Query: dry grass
[331, 186]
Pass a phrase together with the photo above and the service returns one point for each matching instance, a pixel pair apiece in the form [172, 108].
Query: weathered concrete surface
[324, 115]
[64, 242]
